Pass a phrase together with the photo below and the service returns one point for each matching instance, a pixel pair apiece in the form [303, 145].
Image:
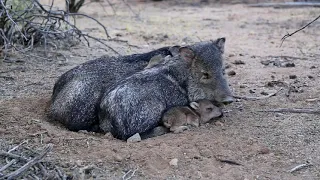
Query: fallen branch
[14, 156]
[228, 161]
[29, 164]
[288, 35]
[293, 110]
[257, 98]
[299, 167]
[286, 5]
[126, 176]
[33, 24]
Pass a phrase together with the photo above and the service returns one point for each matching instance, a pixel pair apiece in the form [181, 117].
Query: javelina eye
[209, 109]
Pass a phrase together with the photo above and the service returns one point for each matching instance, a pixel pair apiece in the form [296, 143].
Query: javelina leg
[157, 131]
[178, 129]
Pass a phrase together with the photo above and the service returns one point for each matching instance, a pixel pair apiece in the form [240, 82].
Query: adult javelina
[76, 94]
[136, 104]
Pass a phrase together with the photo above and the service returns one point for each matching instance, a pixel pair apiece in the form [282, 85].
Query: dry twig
[35, 24]
[257, 98]
[293, 110]
[288, 35]
[228, 161]
[126, 176]
[29, 164]
[299, 167]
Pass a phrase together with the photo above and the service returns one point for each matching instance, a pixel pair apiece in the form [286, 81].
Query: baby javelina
[178, 118]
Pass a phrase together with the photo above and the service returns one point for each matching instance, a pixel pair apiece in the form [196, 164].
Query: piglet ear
[187, 54]
[194, 105]
[174, 50]
[220, 43]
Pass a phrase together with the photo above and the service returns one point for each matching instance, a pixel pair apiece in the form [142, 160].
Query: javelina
[178, 118]
[135, 105]
[76, 94]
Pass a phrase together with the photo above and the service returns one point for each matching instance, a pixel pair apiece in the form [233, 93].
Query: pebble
[292, 76]
[310, 77]
[218, 123]
[231, 73]
[174, 162]
[264, 150]
[118, 158]
[252, 91]
[289, 65]
[232, 55]
[238, 62]
[135, 138]
[205, 153]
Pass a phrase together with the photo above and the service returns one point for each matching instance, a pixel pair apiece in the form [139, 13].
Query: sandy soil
[267, 145]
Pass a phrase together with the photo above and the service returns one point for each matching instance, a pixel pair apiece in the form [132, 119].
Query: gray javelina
[137, 103]
[178, 118]
[76, 94]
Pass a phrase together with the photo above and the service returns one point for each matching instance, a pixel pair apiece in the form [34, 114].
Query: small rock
[242, 86]
[241, 54]
[231, 55]
[231, 73]
[118, 158]
[174, 162]
[313, 67]
[264, 150]
[310, 77]
[289, 65]
[205, 153]
[266, 62]
[118, 34]
[264, 93]
[218, 123]
[252, 91]
[78, 163]
[292, 76]
[237, 62]
[134, 138]
[83, 131]
[253, 57]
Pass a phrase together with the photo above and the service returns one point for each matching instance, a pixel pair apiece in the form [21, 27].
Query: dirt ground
[267, 145]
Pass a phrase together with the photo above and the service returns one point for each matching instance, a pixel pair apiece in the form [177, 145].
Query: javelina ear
[194, 105]
[187, 54]
[174, 50]
[157, 59]
[220, 43]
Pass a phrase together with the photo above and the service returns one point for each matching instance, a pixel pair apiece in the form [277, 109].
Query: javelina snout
[207, 80]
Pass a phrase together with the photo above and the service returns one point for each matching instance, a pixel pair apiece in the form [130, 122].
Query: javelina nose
[227, 100]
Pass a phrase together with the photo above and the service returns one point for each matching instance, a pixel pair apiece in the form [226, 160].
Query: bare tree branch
[288, 35]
